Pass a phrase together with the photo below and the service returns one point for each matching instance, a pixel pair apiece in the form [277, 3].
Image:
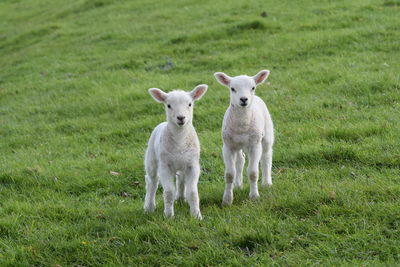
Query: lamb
[174, 150]
[247, 127]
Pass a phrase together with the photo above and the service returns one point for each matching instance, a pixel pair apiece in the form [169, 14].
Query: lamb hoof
[169, 214]
[198, 216]
[240, 186]
[266, 184]
[179, 197]
[227, 200]
[254, 196]
[149, 207]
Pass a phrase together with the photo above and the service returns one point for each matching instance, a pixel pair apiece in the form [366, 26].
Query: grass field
[74, 106]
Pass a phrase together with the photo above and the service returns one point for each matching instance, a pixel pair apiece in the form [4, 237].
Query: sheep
[174, 150]
[247, 127]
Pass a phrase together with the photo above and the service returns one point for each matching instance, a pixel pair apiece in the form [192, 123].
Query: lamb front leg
[255, 152]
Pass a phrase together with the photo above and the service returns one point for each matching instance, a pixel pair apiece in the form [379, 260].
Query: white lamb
[247, 127]
[174, 150]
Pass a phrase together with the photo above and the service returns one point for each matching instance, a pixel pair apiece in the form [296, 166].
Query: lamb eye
[253, 88]
[190, 104]
[169, 106]
[233, 89]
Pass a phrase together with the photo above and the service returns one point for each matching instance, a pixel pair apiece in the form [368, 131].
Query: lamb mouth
[243, 105]
[181, 123]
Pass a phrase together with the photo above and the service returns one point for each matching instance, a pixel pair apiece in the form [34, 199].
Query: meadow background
[74, 106]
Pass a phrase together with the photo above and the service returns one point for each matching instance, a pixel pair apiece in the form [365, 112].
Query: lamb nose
[181, 118]
[244, 99]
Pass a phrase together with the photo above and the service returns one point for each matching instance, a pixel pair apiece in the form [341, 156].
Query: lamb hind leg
[166, 177]
[230, 171]
[151, 180]
[266, 165]
[254, 160]
[180, 186]
[238, 182]
[151, 188]
[192, 196]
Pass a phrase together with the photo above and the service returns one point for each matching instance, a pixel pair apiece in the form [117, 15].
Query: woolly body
[174, 151]
[247, 127]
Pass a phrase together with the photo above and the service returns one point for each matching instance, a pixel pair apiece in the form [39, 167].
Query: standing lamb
[174, 150]
[247, 127]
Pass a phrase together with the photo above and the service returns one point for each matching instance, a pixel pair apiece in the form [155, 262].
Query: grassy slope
[74, 106]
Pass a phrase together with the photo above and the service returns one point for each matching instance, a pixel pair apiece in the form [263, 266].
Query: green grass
[74, 106]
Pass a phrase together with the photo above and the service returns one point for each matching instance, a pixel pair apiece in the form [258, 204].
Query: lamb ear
[198, 91]
[261, 76]
[158, 95]
[222, 78]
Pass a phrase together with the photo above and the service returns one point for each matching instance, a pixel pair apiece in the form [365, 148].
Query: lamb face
[179, 108]
[179, 104]
[242, 88]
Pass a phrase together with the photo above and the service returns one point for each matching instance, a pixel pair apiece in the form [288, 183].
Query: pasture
[75, 117]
